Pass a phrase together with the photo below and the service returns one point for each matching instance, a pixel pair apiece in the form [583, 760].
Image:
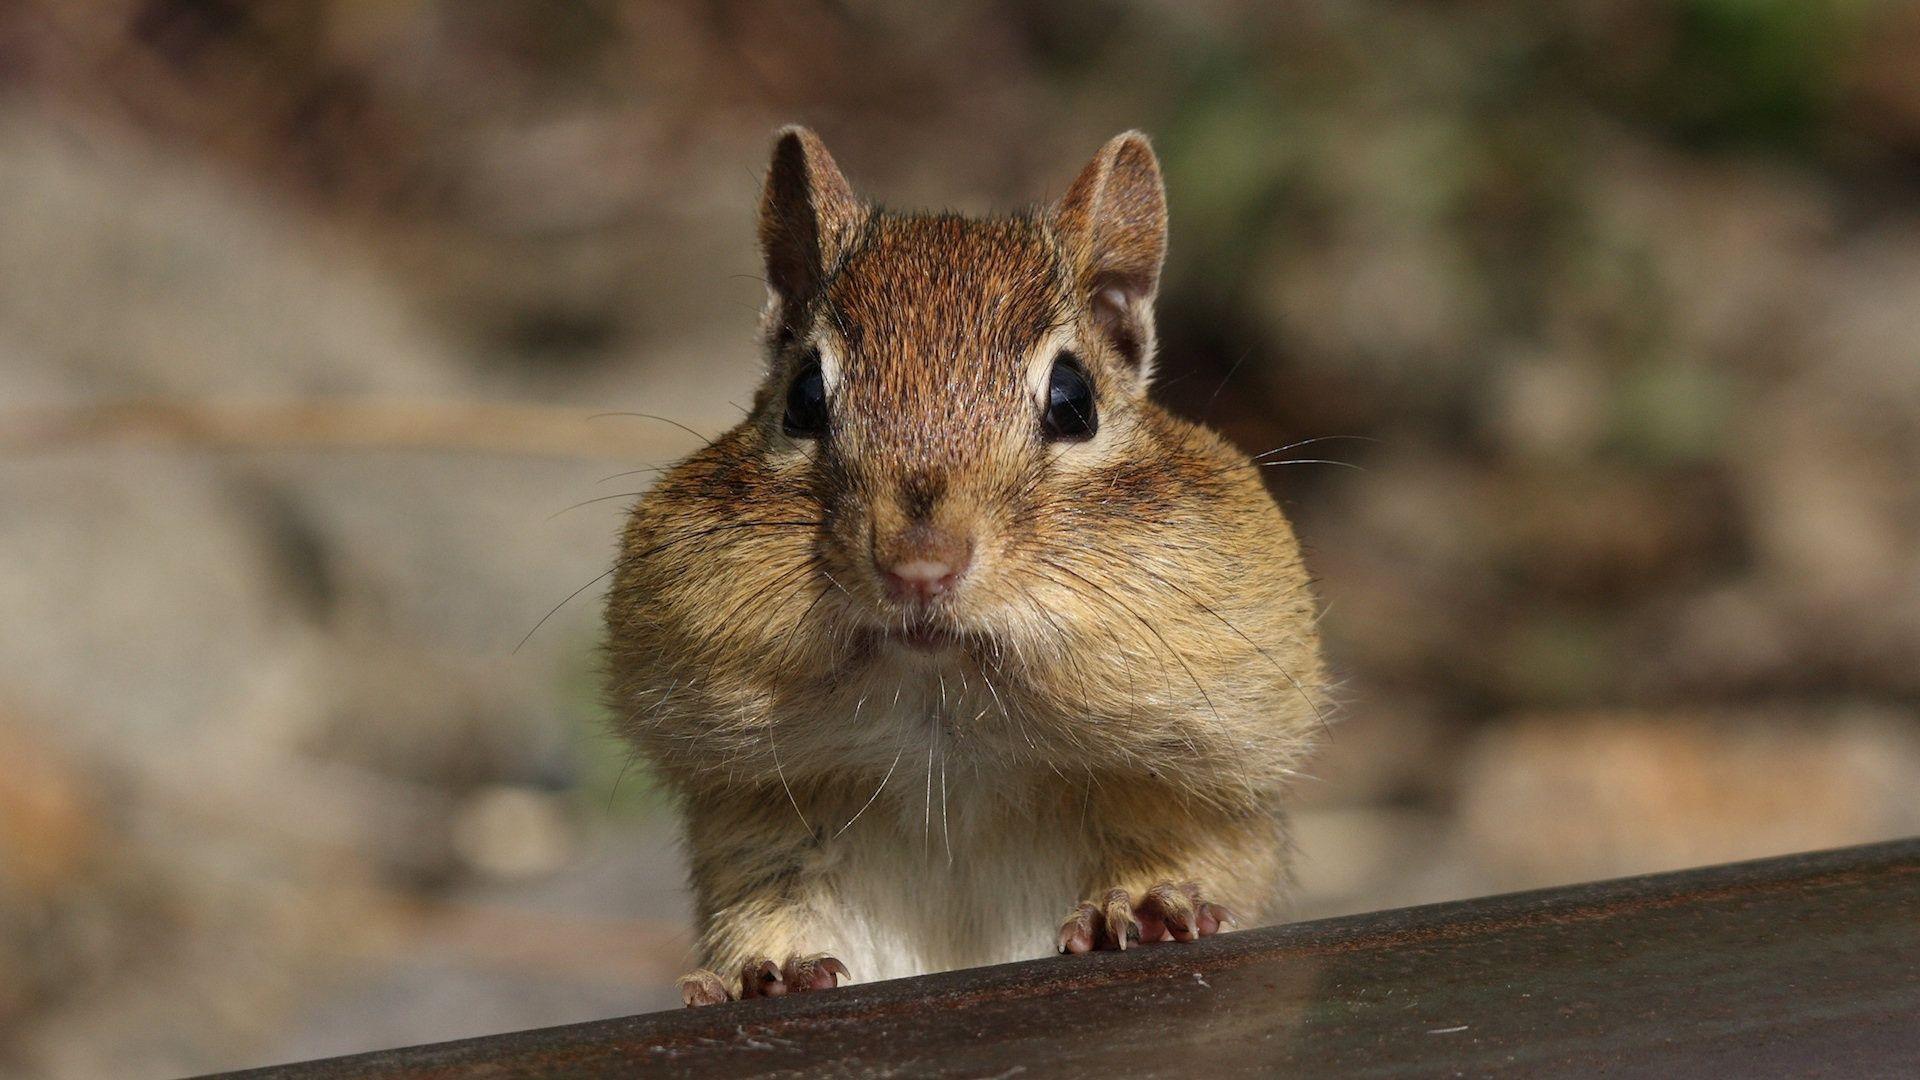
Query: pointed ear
[1113, 220]
[808, 218]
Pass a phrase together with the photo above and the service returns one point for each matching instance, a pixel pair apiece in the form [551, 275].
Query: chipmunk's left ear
[1113, 220]
[808, 218]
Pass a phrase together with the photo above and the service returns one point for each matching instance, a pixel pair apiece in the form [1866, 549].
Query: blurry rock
[1884, 100]
[1692, 261]
[1549, 408]
[1362, 858]
[512, 832]
[80, 900]
[1381, 750]
[1829, 456]
[1601, 531]
[1728, 641]
[201, 624]
[134, 270]
[1572, 797]
[50, 836]
[49, 828]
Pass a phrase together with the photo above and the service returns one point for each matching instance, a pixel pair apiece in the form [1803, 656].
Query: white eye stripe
[1040, 366]
[831, 365]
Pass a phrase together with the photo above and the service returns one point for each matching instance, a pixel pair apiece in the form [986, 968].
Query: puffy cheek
[727, 584]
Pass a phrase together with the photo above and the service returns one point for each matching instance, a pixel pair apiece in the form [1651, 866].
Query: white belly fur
[903, 898]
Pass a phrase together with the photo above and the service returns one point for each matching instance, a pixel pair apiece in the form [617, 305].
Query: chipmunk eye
[807, 402]
[1070, 416]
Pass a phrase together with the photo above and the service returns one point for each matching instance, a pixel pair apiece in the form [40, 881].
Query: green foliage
[1757, 74]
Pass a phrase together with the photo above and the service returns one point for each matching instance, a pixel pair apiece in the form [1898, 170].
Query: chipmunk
[960, 650]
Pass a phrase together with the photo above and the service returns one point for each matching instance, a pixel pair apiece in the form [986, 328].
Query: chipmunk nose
[923, 564]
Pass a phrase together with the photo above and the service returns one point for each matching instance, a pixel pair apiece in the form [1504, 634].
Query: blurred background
[307, 308]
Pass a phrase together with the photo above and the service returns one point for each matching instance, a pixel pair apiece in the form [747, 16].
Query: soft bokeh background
[1622, 303]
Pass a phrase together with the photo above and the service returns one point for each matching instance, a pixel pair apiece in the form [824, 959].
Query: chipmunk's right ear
[1113, 220]
[809, 216]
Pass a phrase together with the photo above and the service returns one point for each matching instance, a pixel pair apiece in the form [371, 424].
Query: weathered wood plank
[1807, 965]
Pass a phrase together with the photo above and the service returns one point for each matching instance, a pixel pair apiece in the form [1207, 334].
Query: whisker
[1197, 602]
[1314, 461]
[655, 469]
[1215, 396]
[556, 608]
[944, 837]
[705, 441]
[633, 753]
[624, 560]
[1310, 442]
[1175, 653]
[876, 792]
[926, 823]
[775, 593]
[597, 499]
[774, 748]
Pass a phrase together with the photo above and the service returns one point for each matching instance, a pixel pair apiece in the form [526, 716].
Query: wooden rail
[1807, 965]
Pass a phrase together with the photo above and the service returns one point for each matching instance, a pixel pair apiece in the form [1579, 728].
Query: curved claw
[1169, 911]
[1079, 931]
[1118, 927]
[817, 972]
[762, 978]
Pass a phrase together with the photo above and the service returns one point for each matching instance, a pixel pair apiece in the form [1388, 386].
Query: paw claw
[761, 978]
[1078, 932]
[1175, 908]
[816, 972]
[1169, 911]
[1118, 927]
[1221, 916]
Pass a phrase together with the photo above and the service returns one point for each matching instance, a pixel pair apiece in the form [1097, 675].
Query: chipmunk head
[953, 472]
[937, 377]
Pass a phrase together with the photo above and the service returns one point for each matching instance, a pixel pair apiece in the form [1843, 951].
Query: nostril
[924, 576]
[929, 572]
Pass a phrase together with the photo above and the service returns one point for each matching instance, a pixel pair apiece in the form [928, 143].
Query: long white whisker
[782, 773]
[926, 823]
[944, 838]
[1315, 461]
[1310, 442]
[876, 792]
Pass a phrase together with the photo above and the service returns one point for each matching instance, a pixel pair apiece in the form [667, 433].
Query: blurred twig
[508, 428]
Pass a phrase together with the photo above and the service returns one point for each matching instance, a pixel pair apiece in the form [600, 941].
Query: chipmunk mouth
[924, 635]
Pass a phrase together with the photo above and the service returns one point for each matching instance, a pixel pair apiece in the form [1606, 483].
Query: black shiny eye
[806, 402]
[1070, 416]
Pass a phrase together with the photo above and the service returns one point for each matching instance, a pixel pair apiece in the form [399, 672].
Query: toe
[702, 987]
[1215, 918]
[1118, 927]
[761, 978]
[816, 972]
[1078, 932]
[1174, 907]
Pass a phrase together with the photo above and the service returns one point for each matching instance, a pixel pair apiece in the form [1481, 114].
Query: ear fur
[808, 218]
[1113, 220]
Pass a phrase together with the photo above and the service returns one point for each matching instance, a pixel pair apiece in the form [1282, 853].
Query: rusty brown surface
[1807, 965]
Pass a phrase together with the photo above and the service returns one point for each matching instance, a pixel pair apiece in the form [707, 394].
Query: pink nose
[924, 574]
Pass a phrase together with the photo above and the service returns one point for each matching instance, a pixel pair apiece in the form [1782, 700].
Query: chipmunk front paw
[764, 978]
[1166, 912]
